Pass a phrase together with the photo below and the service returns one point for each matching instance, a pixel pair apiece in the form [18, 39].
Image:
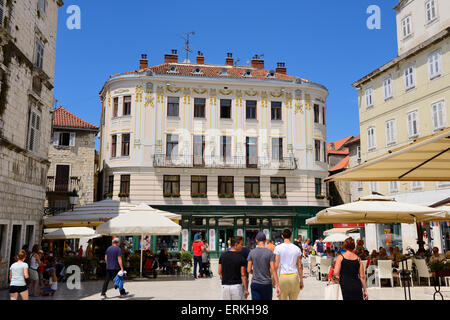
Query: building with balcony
[234, 149]
[403, 100]
[72, 161]
[27, 63]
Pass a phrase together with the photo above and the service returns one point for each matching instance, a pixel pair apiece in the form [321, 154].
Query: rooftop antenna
[236, 62]
[185, 36]
[258, 56]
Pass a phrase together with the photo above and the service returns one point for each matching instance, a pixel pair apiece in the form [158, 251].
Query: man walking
[232, 272]
[320, 251]
[197, 248]
[261, 263]
[113, 259]
[288, 258]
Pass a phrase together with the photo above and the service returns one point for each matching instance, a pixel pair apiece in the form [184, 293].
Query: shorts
[233, 292]
[17, 289]
[48, 290]
[290, 286]
[34, 275]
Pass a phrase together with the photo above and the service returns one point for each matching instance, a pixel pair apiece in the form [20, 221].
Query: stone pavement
[210, 289]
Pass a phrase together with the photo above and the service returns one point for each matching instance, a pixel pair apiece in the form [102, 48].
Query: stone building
[406, 99]
[27, 62]
[72, 161]
[234, 149]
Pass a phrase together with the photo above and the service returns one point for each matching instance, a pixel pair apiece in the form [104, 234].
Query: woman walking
[35, 263]
[350, 272]
[18, 272]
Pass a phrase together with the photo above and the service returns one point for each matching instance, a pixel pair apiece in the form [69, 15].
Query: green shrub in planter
[124, 195]
[186, 260]
[135, 260]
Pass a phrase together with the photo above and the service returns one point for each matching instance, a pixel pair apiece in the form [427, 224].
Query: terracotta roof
[342, 165]
[214, 71]
[338, 146]
[357, 139]
[63, 118]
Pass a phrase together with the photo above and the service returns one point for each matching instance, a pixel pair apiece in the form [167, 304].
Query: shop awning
[340, 230]
[426, 159]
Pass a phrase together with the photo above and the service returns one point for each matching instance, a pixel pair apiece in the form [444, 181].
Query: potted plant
[198, 195]
[330, 198]
[253, 195]
[108, 195]
[320, 196]
[176, 195]
[226, 195]
[124, 195]
[186, 262]
[283, 196]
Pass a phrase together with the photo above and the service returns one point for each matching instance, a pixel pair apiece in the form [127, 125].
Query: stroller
[207, 268]
[151, 265]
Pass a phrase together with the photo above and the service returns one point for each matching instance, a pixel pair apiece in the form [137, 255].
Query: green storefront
[219, 223]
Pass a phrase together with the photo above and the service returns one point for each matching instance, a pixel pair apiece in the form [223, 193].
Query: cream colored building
[234, 149]
[405, 99]
[27, 63]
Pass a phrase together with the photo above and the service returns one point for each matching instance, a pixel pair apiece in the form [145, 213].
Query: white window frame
[388, 87]
[393, 187]
[374, 187]
[390, 132]
[443, 184]
[369, 97]
[371, 138]
[34, 129]
[410, 77]
[434, 64]
[417, 185]
[406, 27]
[57, 139]
[438, 115]
[409, 124]
[430, 11]
[360, 186]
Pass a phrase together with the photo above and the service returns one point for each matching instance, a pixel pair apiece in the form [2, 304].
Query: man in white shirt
[288, 259]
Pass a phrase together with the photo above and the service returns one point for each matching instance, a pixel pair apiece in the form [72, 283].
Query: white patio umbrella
[336, 237]
[139, 222]
[69, 233]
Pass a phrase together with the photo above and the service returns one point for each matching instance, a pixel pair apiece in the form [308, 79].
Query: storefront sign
[388, 237]
[240, 232]
[267, 233]
[185, 238]
[145, 243]
[349, 225]
[212, 240]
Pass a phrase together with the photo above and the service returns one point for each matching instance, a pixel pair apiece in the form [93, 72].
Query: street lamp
[74, 198]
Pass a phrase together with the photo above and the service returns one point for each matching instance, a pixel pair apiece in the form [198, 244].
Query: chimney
[171, 58]
[200, 58]
[143, 63]
[257, 63]
[281, 68]
[229, 60]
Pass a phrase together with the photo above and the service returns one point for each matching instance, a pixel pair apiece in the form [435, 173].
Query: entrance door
[224, 236]
[62, 178]
[15, 243]
[250, 235]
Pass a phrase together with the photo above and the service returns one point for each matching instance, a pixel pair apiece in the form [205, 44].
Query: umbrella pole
[420, 241]
[142, 237]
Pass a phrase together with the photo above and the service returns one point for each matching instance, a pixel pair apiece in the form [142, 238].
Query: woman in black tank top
[350, 272]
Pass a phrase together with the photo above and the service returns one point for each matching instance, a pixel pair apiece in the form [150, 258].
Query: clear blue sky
[324, 41]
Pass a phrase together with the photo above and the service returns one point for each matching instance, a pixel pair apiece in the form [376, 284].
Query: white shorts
[233, 292]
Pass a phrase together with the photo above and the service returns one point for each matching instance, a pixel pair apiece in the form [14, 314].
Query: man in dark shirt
[113, 259]
[232, 271]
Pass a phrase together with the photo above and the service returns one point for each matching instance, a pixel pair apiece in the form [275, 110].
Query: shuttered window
[34, 130]
[438, 114]
[412, 121]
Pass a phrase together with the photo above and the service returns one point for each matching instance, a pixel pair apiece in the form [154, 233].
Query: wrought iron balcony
[63, 186]
[236, 162]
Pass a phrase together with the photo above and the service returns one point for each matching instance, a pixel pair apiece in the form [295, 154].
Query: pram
[207, 268]
[151, 265]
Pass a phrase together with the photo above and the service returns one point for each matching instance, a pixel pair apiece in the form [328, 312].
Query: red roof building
[64, 119]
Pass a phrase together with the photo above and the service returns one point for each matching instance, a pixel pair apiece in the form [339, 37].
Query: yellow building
[405, 99]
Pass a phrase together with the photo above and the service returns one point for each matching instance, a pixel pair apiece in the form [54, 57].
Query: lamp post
[74, 198]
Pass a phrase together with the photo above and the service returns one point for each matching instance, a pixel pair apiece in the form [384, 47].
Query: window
[369, 97]
[406, 26]
[62, 178]
[410, 81]
[393, 186]
[431, 10]
[226, 185]
[2, 14]
[199, 107]
[29, 236]
[66, 139]
[278, 186]
[358, 153]
[125, 145]
[198, 184]
[127, 105]
[277, 149]
[110, 184]
[443, 184]
[251, 186]
[390, 131]
[371, 138]
[276, 110]
[360, 186]
[317, 150]
[388, 90]
[416, 185]
[39, 58]
[125, 183]
[172, 145]
[171, 185]
[251, 109]
[113, 146]
[324, 152]
[323, 116]
[172, 106]
[34, 130]
[42, 6]
[438, 114]
[251, 148]
[316, 113]
[318, 186]
[434, 64]
[225, 108]
[199, 150]
[116, 108]
[225, 148]
[374, 186]
[412, 123]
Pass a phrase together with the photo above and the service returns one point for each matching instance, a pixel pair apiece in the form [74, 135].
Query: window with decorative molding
[39, 54]
[434, 64]
[225, 109]
[388, 88]
[390, 131]
[406, 26]
[410, 79]
[173, 106]
[125, 145]
[412, 122]
[250, 109]
[438, 114]
[276, 110]
[277, 149]
[127, 105]
[369, 97]
[113, 146]
[431, 10]
[371, 139]
[199, 107]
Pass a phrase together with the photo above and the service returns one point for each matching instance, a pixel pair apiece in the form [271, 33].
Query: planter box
[226, 195]
[199, 195]
[253, 196]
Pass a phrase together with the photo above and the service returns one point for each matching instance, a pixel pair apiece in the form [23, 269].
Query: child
[52, 284]
[331, 273]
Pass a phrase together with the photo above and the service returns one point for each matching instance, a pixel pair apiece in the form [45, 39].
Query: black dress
[350, 283]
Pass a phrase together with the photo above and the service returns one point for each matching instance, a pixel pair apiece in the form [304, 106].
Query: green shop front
[217, 224]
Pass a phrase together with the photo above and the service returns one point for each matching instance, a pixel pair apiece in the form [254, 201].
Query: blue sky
[324, 41]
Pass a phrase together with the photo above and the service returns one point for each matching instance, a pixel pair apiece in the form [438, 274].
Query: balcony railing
[236, 162]
[73, 183]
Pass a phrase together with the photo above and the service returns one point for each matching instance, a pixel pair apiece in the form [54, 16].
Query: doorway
[15, 243]
[224, 236]
[250, 235]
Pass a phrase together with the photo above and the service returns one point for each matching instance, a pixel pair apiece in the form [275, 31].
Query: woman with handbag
[350, 272]
[35, 263]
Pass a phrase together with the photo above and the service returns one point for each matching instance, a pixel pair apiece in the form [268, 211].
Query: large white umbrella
[336, 237]
[139, 222]
[69, 233]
